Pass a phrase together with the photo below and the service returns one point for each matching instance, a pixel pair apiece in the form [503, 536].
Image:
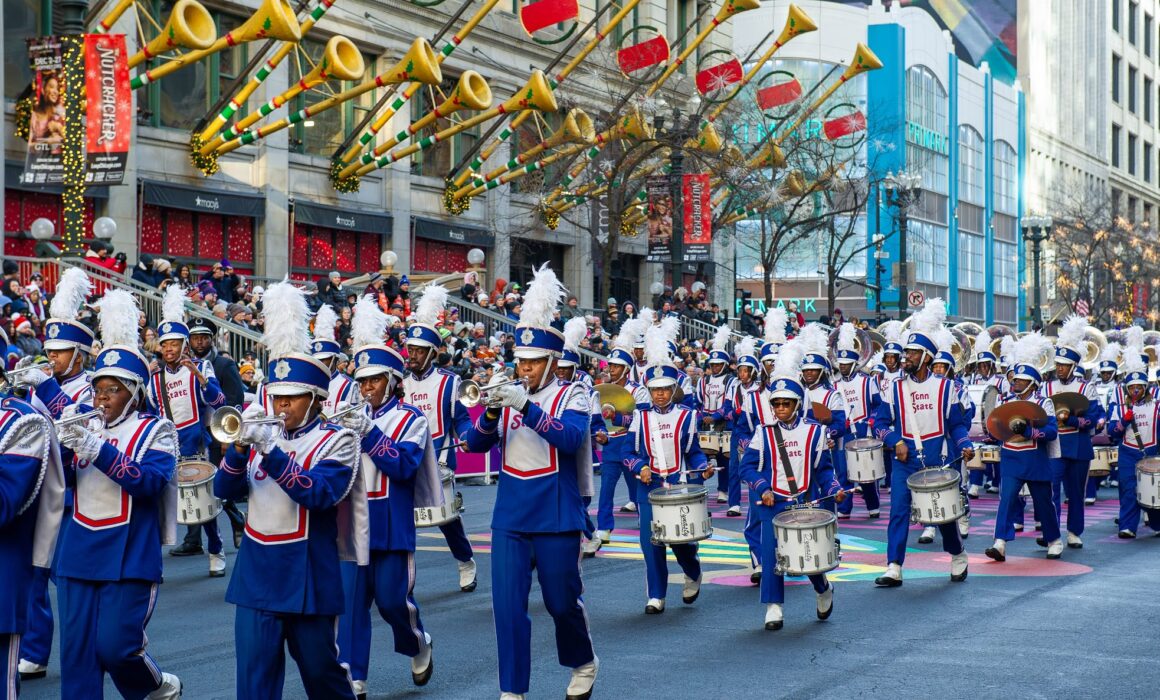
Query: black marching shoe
[186, 549]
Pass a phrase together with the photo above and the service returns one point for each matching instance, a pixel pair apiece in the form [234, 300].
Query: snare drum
[989, 454]
[196, 503]
[935, 496]
[443, 514]
[680, 514]
[726, 437]
[1148, 482]
[807, 541]
[1105, 459]
[985, 397]
[710, 442]
[976, 463]
[864, 462]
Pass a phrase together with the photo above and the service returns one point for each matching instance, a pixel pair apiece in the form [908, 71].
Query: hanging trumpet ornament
[190, 26]
[577, 128]
[730, 8]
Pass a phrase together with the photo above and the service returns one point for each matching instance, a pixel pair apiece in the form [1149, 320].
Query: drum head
[864, 445]
[1150, 465]
[932, 479]
[192, 472]
[681, 493]
[800, 518]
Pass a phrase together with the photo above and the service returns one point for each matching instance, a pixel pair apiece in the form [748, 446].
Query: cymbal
[1004, 419]
[821, 412]
[616, 396]
[1073, 401]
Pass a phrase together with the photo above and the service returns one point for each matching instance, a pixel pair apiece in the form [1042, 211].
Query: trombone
[471, 393]
[226, 424]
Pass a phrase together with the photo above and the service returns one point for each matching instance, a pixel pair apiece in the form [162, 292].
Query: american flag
[1081, 307]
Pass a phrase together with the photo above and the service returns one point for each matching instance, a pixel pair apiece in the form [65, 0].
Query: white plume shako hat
[661, 370]
[535, 336]
[293, 371]
[422, 331]
[368, 328]
[575, 331]
[173, 326]
[62, 331]
[325, 345]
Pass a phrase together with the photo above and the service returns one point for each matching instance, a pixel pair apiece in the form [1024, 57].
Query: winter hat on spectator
[162, 265]
[206, 287]
[258, 292]
[20, 322]
[10, 267]
[404, 280]
[226, 264]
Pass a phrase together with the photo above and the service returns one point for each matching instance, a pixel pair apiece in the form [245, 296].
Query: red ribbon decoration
[778, 95]
[545, 13]
[643, 55]
[719, 76]
[844, 126]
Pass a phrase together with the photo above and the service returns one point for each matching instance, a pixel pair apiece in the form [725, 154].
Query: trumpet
[345, 412]
[226, 424]
[95, 414]
[471, 393]
[9, 378]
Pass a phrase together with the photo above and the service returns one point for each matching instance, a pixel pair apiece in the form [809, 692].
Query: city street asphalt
[1031, 628]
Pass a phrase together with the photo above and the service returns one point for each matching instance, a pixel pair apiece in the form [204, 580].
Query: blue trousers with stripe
[773, 583]
[388, 582]
[9, 678]
[103, 625]
[260, 640]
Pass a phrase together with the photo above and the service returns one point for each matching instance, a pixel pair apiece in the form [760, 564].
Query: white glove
[356, 420]
[265, 437]
[511, 395]
[260, 435]
[32, 378]
[72, 431]
[85, 444]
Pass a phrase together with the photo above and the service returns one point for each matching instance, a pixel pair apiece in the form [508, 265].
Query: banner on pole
[660, 218]
[698, 234]
[109, 121]
[44, 164]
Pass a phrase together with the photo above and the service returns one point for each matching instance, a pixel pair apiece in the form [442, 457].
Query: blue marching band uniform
[862, 398]
[1133, 420]
[616, 451]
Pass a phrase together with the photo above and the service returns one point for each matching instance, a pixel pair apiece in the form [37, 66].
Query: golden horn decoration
[535, 94]
[794, 184]
[341, 60]
[471, 92]
[111, 18]
[864, 61]
[274, 19]
[708, 140]
[769, 156]
[419, 64]
[728, 9]
[190, 26]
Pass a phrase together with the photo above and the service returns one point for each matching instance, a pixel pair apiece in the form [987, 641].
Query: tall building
[931, 113]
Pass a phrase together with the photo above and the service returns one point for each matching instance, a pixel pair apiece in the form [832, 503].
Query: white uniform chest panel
[661, 435]
[854, 392]
[274, 517]
[100, 503]
[426, 395]
[1145, 422]
[178, 390]
[921, 407]
[526, 455]
[797, 442]
[713, 392]
[393, 424]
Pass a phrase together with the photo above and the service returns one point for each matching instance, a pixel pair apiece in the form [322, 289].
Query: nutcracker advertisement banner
[109, 121]
[698, 234]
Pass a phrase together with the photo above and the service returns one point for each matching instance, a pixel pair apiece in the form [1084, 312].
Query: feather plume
[173, 304]
[982, 344]
[649, 316]
[1133, 362]
[324, 323]
[118, 320]
[630, 330]
[1134, 340]
[943, 339]
[431, 304]
[71, 291]
[543, 297]
[369, 324]
[1031, 348]
[1112, 352]
[575, 330]
[788, 363]
[813, 339]
[875, 360]
[656, 341]
[846, 335]
[775, 322]
[721, 339]
[1071, 334]
[287, 320]
[892, 331]
[746, 346]
[930, 317]
[1007, 347]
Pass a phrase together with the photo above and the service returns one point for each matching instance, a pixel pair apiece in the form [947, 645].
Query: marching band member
[568, 372]
[664, 450]
[286, 579]
[753, 413]
[31, 505]
[1134, 420]
[985, 374]
[687, 398]
[648, 319]
[1070, 469]
[125, 508]
[892, 354]
[184, 390]
[615, 444]
[541, 427]
[326, 350]
[435, 392]
[943, 365]
[919, 422]
[710, 403]
[774, 336]
[784, 463]
[861, 397]
[747, 381]
[399, 474]
[1026, 458]
[1105, 385]
[68, 344]
[815, 377]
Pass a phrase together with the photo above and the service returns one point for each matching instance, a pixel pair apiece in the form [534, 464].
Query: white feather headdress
[431, 304]
[746, 346]
[287, 319]
[846, 335]
[1112, 353]
[813, 339]
[788, 364]
[930, 317]
[943, 339]
[656, 341]
[720, 341]
[775, 322]
[1071, 334]
[173, 304]
[71, 291]
[119, 314]
[369, 324]
[575, 330]
[324, 323]
[1031, 348]
[1007, 347]
[542, 298]
[892, 331]
[1134, 340]
[982, 344]
[630, 330]
[875, 360]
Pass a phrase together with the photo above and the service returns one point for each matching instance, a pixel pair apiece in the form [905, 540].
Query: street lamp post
[682, 129]
[1036, 230]
[878, 239]
[902, 191]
